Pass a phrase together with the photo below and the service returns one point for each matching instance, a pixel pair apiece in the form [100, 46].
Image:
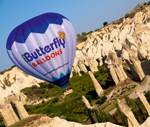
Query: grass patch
[71, 107]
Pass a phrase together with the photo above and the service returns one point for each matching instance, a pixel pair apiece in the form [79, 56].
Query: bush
[89, 32]
[148, 96]
[43, 102]
[55, 100]
[50, 86]
[89, 98]
[75, 74]
[105, 23]
[81, 37]
[101, 100]
[34, 87]
[127, 15]
[82, 72]
[132, 14]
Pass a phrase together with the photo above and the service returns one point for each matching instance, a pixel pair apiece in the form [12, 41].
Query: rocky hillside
[139, 6]
[132, 29]
[45, 121]
[14, 80]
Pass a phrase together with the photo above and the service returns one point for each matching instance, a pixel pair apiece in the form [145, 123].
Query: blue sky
[85, 15]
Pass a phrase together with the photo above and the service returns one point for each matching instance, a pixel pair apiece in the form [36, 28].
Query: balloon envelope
[44, 47]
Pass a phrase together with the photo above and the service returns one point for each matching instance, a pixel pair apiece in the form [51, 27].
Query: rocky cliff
[45, 121]
[14, 80]
[132, 30]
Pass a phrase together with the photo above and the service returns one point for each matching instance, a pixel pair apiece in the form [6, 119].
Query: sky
[85, 16]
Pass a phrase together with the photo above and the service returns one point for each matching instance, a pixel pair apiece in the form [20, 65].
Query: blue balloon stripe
[56, 68]
[51, 18]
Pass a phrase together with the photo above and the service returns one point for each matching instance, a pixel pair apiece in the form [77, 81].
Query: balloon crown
[37, 24]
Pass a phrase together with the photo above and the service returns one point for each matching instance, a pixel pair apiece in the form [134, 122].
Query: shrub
[101, 100]
[105, 23]
[127, 15]
[148, 96]
[34, 87]
[89, 32]
[132, 15]
[82, 72]
[75, 74]
[43, 102]
[55, 100]
[89, 98]
[81, 37]
[50, 86]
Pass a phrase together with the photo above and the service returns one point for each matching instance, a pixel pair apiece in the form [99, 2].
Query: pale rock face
[97, 86]
[86, 102]
[142, 51]
[127, 112]
[46, 121]
[82, 67]
[125, 55]
[15, 80]
[111, 37]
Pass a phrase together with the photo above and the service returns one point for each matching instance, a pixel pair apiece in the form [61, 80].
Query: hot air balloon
[44, 47]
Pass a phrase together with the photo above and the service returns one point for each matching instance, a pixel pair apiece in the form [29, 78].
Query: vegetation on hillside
[82, 37]
[72, 108]
[2, 72]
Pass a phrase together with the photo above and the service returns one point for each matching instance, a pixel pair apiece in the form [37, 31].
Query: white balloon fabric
[44, 47]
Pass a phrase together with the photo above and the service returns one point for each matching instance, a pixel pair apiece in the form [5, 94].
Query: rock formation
[146, 81]
[137, 65]
[20, 109]
[15, 80]
[92, 64]
[129, 123]
[132, 60]
[115, 68]
[134, 32]
[97, 86]
[144, 100]
[86, 102]
[12, 111]
[8, 115]
[127, 112]
[45, 121]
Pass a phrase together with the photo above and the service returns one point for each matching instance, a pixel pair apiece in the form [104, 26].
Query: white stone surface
[21, 81]
[45, 121]
[110, 38]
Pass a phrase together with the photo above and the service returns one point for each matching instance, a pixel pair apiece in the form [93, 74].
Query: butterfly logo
[62, 35]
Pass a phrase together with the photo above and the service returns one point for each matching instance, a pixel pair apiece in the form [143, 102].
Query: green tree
[84, 34]
[81, 37]
[105, 23]
[90, 116]
[123, 117]
[127, 15]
